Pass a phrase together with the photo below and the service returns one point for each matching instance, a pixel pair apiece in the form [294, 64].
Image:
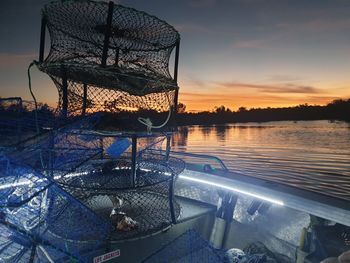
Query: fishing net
[141, 191]
[67, 189]
[17, 247]
[45, 215]
[20, 120]
[104, 57]
[98, 168]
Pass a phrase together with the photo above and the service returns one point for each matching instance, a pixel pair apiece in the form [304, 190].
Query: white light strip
[5, 186]
[193, 179]
[185, 177]
[70, 175]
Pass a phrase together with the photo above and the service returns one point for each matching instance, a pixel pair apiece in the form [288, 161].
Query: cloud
[192, 28]
[284, 78]
[199, 102]
[285, 88]
[12, 60]
[323, 24]
[202, 3]
[290, 88]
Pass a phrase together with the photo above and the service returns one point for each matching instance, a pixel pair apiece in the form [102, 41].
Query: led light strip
[193, 179]
[21, 183]
[185, 177]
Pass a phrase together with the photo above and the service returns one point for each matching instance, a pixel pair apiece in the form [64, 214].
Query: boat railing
[206, 160]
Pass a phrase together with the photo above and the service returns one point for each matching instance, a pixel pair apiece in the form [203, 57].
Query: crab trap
[107, 57]
[67, 188]
[124, 178]
[130, 183]
[38, 217]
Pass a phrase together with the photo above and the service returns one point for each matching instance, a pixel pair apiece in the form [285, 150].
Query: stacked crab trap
[67, 188]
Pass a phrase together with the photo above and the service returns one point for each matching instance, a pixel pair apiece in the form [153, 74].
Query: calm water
[311, 154]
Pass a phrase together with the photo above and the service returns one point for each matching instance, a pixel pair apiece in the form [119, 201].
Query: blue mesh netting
[42, 212]
[190, 247]
[17, 247]
[59, 150]
[20, 122]
[79, 160]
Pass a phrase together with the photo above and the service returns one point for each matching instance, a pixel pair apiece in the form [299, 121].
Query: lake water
[314, 155]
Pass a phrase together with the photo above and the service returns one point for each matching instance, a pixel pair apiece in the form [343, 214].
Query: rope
[148, 122]
[33, 96]
[36, 106]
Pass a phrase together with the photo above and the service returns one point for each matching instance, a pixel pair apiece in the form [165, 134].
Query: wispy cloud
[284, 78]
[323, 24]
[200, 102]
[192, 28]
[10, 60]
[285, 88]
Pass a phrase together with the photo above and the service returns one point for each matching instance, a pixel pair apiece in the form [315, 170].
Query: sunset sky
[252, 53]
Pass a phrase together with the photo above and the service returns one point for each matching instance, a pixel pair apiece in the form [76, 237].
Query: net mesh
[66, 189]
[143, 194]
[96, 168]
[19, 120]
[132, 73]
[38, 209]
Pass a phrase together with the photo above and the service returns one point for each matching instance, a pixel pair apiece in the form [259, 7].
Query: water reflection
[205, 130]
[222, 132]
[180, 137]
[307, 153]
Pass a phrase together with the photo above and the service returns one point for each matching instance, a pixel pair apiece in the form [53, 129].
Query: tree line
[128, 120]
[335, 110]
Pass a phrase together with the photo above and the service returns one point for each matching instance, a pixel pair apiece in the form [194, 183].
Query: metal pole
[176, 68]
[42, 39]
[171, 200]
[107, 34]
[52, 152]
[133, 160]
[19, 127]
[32, 254]
[168, 146]
[101, 147]
[64, 92]
[224, 216]
[116, 57]
[84, 99]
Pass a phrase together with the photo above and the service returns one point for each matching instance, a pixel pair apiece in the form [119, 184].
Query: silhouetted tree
[181, 108]
[242, 109]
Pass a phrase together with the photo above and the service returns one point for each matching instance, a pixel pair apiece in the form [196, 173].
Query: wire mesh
[19, 120]
[59, 150]
[143, 194]
[85, 164]
[135, 74]
[14, 247]
[63, 191]
[48, 216]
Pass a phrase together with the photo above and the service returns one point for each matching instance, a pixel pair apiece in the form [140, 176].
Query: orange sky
[234, 53]
[234, 95]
